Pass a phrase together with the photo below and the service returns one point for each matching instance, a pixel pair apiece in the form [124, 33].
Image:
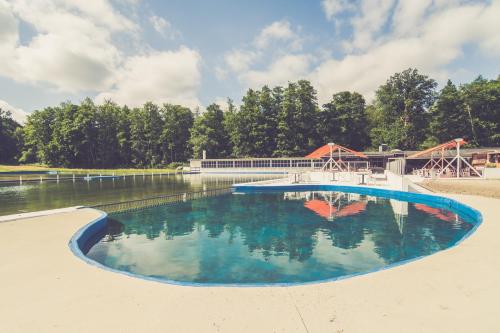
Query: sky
[195, 53]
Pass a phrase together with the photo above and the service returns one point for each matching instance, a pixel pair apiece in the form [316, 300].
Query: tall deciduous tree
[297, 120]
[175, 135]
[208, 133]
[482, 103]
[9, 140]
[343, 120]
[402, 103]
[249, 136]
[449, 117]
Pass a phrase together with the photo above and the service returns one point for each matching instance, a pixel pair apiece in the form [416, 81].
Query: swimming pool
[278, 237]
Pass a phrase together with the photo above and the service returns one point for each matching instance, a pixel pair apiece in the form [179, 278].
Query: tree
[178, 120]
[230, 124]
[297, 120]
[145, 131]
[208, 133]
[449, 118]
[402, 104]
[270, 104]
[108, 147]
[248, 135]
[482, 103]
[9, 138]
[344, 121]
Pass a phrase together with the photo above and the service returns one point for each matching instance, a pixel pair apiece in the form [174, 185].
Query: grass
[37, 167]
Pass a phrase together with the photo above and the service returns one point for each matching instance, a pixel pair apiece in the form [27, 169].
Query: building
[377, 161]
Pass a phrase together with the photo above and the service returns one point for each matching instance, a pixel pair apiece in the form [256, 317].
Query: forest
[407, 113]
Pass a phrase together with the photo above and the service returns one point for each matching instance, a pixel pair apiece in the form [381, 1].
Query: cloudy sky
[197, 52]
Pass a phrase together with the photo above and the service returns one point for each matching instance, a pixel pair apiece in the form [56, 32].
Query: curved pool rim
[81, 238]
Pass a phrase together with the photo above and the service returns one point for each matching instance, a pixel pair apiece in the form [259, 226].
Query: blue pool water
[275, 237]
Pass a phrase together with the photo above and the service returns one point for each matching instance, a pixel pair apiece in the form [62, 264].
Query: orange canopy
[324, 151]
[447, 145]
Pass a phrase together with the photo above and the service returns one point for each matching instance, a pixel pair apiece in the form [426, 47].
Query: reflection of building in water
[330, 205]
[441, 214]
[400, 209]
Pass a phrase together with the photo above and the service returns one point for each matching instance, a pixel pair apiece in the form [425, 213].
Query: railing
[125, 206]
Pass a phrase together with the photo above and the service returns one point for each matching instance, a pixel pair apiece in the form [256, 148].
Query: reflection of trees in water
[274, 226]
[421, 234]
[264, 222]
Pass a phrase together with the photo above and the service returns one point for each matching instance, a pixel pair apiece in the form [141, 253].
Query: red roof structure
[325, 151]
[439, 148]
[334, 153]
[441, 165]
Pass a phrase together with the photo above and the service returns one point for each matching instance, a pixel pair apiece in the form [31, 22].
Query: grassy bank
[35, 167]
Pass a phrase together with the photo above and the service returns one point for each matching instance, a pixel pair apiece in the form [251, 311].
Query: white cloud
[334, 7]
[409, 16]
[368, 24]
[279, 30]
[167, 76]
[284, 69]
[164, 27]
[430, 46]
[240, 60]
[18, 115]
[72, 48]
[284, 64]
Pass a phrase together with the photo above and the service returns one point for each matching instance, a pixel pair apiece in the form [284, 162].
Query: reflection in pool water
[274, 237]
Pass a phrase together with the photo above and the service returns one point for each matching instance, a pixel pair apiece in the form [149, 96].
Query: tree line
[407, 113]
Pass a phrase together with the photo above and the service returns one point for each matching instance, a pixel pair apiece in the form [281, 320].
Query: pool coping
[81, 237]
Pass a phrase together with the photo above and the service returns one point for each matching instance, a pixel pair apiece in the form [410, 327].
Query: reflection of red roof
[352, 209]
[320, 207]
[440, 214]
[324, 209]
[325, 151]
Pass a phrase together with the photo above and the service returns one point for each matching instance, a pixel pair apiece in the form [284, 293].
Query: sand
[45, 288]
[482, 187]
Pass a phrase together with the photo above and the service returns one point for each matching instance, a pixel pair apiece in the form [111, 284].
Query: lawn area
[36, 167]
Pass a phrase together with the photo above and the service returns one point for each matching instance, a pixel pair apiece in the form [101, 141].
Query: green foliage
[449, 119]
[209, 134]
[402, 105]
[297, 120]
[10, 138]
[482, 104]
[175, 135]
[344, 121]
[407, 114]
[107, 135]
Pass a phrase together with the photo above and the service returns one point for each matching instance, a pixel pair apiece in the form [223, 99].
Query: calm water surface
[15, 198]
[274, 237]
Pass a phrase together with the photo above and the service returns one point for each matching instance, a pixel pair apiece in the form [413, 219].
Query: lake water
[29, 197]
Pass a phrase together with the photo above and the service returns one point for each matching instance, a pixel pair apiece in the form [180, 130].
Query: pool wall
[87, 236]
